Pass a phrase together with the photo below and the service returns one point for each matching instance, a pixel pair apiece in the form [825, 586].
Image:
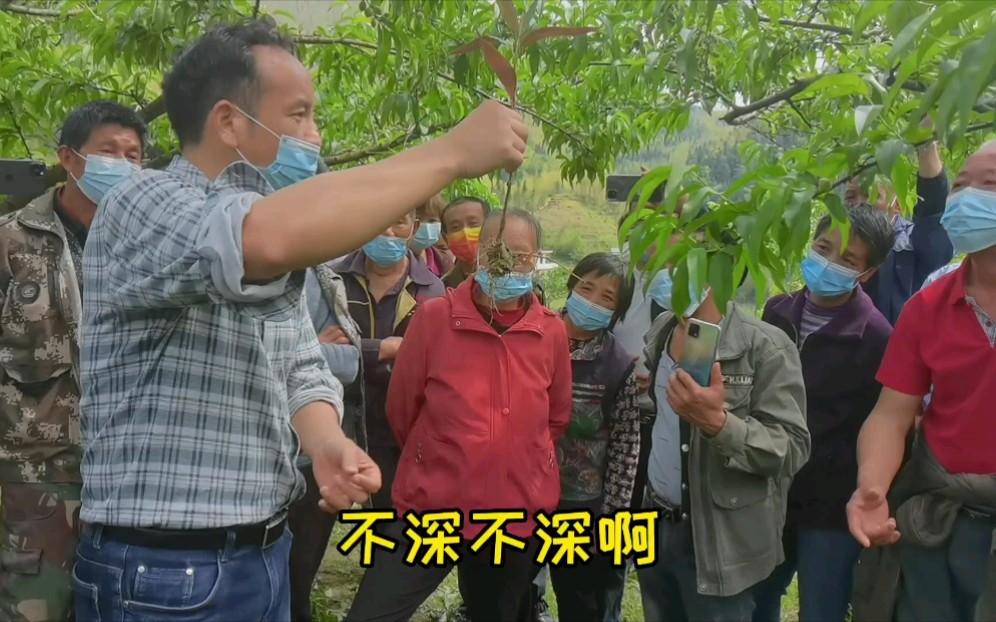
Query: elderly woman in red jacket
[480, 394]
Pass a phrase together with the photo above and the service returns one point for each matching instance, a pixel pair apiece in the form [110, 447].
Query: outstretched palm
[869, 520]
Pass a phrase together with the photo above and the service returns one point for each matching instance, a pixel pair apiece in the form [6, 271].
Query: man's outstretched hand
[346, 475]
[493, 137]
[869, 521]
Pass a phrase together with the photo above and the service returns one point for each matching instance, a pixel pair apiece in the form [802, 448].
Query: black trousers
[386, 458]
[391, 590]
[312, 529]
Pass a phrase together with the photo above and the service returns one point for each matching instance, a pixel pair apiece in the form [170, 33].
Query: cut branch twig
[797, 87]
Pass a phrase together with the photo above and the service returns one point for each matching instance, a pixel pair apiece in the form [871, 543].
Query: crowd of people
[201, 366]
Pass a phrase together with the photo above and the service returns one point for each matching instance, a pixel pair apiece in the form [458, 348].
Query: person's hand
[389, 348]
[698, 405]
[345, 475]
[334, 335]
[491, 138]
[642, 381]
[868, 519]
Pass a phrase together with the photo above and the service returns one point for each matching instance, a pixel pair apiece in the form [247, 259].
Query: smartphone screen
[618, 187]
[699, 353]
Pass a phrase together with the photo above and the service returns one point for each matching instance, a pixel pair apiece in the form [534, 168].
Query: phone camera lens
[693, 330]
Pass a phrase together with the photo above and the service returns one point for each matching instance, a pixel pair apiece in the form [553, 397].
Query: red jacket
[477, 414]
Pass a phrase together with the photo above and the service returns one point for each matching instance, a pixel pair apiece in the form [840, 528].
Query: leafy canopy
[846, 81]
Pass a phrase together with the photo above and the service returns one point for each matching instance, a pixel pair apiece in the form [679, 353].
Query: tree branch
[35, 12]
[797, 87]
[316, 40]
[367, 152]
[871, 163]
[841, 30]
[17, 127]
[255, 10]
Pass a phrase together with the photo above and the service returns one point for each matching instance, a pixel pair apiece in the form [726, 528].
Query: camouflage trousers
[40, 529]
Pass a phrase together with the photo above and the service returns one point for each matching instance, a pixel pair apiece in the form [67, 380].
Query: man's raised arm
[333, 214]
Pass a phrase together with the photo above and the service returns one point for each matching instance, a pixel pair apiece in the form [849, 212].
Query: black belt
[669, 513]
[262, 534]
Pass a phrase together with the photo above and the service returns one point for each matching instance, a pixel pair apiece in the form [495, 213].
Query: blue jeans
[824, 559]
[669, 588]
[120, 583]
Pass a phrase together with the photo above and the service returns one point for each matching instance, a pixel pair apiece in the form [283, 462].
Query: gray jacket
[739, 479]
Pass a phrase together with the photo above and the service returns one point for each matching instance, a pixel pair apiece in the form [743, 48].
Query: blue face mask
[505, 288]
[970, 220]
[587, 315]
[660, 292]
[426, 235]
[828, 279]
[296, 159]
[101, 174]
[386, 251]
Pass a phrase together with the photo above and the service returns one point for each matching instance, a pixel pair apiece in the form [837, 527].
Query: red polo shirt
[939, 340]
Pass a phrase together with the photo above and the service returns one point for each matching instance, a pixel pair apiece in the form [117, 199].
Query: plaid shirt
[190, 376]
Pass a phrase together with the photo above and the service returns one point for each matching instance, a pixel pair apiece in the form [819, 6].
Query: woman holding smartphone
[599, 452]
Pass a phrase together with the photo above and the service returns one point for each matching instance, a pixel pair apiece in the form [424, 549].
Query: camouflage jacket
[39, 348]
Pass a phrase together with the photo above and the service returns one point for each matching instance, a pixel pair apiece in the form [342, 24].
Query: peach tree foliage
[848, 80]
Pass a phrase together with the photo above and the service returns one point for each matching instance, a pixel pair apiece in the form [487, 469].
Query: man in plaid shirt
[202, 376]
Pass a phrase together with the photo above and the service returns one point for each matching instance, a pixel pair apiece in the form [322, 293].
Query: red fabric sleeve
[406, 393]
[903, 368]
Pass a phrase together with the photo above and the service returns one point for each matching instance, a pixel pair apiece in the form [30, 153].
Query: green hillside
[577, 219]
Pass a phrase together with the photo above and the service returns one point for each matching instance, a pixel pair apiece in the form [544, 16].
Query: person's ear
[416, 223]
[70, 162]
[227, 121]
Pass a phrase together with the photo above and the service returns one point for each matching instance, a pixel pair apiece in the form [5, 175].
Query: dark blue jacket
[903, 272]
[839, 363]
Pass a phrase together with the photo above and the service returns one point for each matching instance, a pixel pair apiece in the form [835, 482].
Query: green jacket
[739, 479]
[40, 314]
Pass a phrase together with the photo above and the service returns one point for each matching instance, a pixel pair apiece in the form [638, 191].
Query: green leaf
[721, 277]
[698, 269]
[870, 9]
[906, 37]
[864, 115]
[680, 298]
[887, 153]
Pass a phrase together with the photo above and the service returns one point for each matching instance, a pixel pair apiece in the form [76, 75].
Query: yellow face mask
[463, 244]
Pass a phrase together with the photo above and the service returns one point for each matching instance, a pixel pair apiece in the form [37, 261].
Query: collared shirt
[943, 338]
[664, 467]
[75, 235]
[190, 375]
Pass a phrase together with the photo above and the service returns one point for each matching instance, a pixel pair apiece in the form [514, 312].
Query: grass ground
[340, 576]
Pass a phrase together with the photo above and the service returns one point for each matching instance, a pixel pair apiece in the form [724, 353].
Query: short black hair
[869, 225]
[218, 66]
[524, 216]
[460, 201]
[606, 264]
[84, 119]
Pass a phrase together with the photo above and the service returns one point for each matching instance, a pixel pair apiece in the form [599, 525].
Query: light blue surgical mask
[506, 287]
[102, 173]
[828, 279]
[296, 159]
[970, 220]
[587, 315]
[660, 291]
[385, 250]
[426, 235]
